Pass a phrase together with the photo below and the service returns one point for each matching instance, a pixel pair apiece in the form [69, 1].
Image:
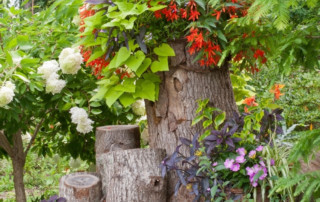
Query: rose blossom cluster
[234, 165]
[80, 117]
[49, 73]
[6, 93]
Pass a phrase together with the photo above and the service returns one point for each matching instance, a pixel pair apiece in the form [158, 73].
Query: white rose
[6, 95]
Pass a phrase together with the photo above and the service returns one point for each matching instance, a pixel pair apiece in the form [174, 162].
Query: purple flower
[252, 154]
[215, 164]
[240, 159]
[272, 162]
[241, 151]
[262, 163]
[235, 167]
[250, 171]
[228, 163]
[259, 148]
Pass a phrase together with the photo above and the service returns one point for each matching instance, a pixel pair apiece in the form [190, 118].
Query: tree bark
[81, 187]
[120, 137]
[132, 175]
[18, 162]
[186, 82]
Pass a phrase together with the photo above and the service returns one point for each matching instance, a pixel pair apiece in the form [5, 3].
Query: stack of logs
[124, 171]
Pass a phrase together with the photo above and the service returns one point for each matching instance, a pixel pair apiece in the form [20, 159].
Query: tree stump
[81, 187]
[132, 175]
[113, 138]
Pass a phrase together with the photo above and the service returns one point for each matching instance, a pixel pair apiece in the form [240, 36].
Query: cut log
[132, 175]
[81, 187]
[113, 138]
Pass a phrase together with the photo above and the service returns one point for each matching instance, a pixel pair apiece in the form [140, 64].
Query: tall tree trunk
[170, 117]
[18, 180]
[18, 162]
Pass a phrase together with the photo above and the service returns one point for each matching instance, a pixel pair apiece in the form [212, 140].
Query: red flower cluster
[98, 64]
[210, 56]
[84, 13]
[260, 53]
[172, 13]
[232, 10]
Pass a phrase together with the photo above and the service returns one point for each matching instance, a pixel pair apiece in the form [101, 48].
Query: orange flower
[250, 101]
[276, 91]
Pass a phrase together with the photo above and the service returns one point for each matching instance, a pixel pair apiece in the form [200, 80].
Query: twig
[36, 131]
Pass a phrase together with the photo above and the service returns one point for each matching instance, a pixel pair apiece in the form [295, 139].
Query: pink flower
[240, 159]
[215, 164]
[241, 151]
[228, 163]
[252, 154]
[262, 163]
[272, 162]
[259, 148]
[235, 167]
[250, 171]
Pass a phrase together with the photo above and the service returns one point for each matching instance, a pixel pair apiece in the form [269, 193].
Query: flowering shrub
[230, 156]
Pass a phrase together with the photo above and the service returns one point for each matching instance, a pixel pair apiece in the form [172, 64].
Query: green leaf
[145, 89]
[135, 60]
[158, 7]
[197, 119]
[221, 36]
[161, 65]
[256, 176]
[126, 99]
[112, 95]
[201, 3]
[96, 111]
[126, 86]
[214, 191]
[22, 77]
[122, 55]
[95, 55]
[143, 67]
[219, 119]
[164, 50]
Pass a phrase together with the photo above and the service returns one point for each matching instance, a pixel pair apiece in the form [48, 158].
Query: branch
[4, 143]
[36, 131]
[313, 37]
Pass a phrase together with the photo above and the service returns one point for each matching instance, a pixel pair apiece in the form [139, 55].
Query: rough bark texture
[18, 161]
[170, 117]
[132, 175]
[81, 187]
[120, 137]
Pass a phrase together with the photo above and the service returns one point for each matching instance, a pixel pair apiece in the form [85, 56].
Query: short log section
[81, 187]
[118, 137]
[132, 175]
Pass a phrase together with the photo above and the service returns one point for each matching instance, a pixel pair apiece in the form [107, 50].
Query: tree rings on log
[81, 187]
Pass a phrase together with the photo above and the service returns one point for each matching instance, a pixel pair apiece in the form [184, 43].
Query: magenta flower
[241, 151]
[228, 163]
[259, 148]
[250, 171]
[215, 164]
[262, 163]
[272, 162]
[235, 167]
[240, 159]
[254, 170]
[252, 154]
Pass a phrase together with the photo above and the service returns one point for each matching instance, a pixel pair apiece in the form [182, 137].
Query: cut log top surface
[117, 127]
[82, 180]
